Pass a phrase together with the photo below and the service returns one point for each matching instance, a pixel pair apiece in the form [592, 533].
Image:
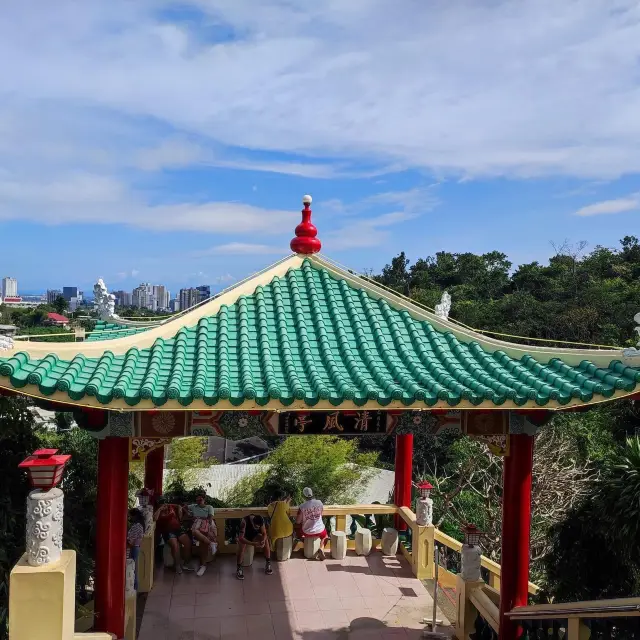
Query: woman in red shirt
[169, 522]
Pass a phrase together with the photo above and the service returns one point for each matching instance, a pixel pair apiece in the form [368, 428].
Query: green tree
[594, 550]
[332, 466]
[186, 455]
[60, 304]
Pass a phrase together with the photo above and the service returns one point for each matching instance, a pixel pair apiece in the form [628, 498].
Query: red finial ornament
[305, 241]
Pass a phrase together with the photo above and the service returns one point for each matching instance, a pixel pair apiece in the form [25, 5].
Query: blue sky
[172, 142]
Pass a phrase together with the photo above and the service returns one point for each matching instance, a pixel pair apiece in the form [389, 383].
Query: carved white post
[424, 512]
[148, 517]
[424, 507]
[45, 510]
[130, 579]
[471, 558]
[45, 507]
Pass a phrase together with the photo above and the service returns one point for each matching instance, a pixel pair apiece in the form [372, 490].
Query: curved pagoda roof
[306, 334]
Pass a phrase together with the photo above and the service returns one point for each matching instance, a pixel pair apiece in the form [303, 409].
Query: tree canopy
[582, 297]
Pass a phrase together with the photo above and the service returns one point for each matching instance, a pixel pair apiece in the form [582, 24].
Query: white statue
[442, 309]
[6, 343]
[104, 303]
[631, 355]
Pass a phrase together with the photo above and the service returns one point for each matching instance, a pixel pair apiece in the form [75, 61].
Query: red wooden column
[516, 525]
[404, 474]
[111, 534]
[153, 471]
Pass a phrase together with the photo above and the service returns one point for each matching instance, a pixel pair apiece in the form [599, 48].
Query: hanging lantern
[425, 489]
[472, 535]
[44, 468]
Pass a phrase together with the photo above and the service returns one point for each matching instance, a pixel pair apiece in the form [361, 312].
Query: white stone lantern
[424, 508]
[45, 506]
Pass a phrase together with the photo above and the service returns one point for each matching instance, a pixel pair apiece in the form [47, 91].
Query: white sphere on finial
[306, 199]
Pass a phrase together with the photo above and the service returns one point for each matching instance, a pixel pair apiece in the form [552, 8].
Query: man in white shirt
[309, 521]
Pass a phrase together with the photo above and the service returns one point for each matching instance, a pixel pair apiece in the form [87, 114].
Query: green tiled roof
[111, 331]
[307, 336]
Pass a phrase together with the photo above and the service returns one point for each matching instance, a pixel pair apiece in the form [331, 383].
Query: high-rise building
[174, 305]
[205, 292]
[123, 298]
[9, 288]
[150, 296]
[161, 295]
[69, 292]
[189, 298]
[52, 295]
[139, 296]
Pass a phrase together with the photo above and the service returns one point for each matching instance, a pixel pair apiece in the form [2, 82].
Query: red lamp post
[45, 506]
[44, 468]
[472, 535]
[424, 489]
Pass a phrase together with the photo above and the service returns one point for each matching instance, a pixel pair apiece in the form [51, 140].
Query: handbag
[201, 525]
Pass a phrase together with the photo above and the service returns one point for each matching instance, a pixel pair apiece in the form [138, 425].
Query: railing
[417, 545]
[228, 520]
[590, 620]
[491, 569]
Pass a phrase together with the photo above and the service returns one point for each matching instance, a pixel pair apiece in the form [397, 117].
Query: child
[134, 537]
[203, 529]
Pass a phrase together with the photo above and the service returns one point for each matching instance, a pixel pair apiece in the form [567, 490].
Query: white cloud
[243, 249]
[532, 88]
[102, 200]
[618, 205]
[123, 275]
[365, 230]
[170, 153]
[224, 279]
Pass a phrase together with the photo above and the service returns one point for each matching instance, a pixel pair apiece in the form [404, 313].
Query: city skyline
[155, 297]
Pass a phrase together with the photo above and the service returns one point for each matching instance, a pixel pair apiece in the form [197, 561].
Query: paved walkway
[373, 597]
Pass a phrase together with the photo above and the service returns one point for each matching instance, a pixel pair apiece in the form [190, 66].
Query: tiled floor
[372, 597]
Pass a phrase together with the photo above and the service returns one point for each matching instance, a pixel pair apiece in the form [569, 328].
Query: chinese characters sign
[335, 422]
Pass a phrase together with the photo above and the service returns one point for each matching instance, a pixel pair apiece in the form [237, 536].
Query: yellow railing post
[465, 611]
[146, 560]
[222, 542]
[494, 581]
[422, 551]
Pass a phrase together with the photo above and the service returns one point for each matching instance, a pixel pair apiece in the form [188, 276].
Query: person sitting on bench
[169, 522]
[309, 521]
[253, 532]
[203, 529]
